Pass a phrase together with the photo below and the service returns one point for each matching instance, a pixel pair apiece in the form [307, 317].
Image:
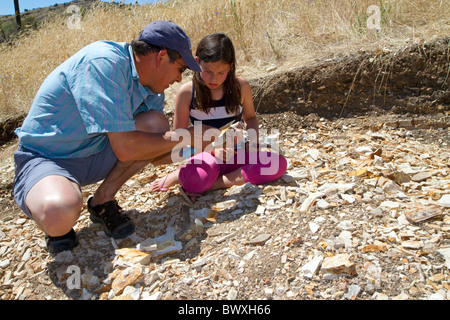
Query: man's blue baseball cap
[169, 35]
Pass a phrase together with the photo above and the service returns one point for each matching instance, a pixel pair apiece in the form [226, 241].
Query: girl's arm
[181, 118]
[182, 103]
[249, 113]
[248, 109]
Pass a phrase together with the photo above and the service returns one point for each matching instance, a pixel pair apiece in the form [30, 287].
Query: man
[98, 116]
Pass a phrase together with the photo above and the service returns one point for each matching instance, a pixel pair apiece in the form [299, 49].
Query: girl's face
[214, 73]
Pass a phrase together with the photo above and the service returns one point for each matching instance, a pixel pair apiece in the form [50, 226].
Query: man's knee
[58, 216]
[55, 204]
[152, 121]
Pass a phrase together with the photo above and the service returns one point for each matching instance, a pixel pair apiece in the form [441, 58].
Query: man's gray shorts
[31, 167]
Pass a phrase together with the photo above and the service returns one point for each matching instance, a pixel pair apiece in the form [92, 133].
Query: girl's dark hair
[143, 48]
[217, 47]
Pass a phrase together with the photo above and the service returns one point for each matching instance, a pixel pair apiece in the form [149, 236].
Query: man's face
[163, 75]
[172, 72]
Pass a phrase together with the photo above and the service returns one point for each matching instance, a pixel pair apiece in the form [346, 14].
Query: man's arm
[140, 145]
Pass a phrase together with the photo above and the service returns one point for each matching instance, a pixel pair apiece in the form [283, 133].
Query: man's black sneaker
[109, 214]
[59, 244]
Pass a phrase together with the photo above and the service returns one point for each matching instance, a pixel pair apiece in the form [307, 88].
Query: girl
[215, 97]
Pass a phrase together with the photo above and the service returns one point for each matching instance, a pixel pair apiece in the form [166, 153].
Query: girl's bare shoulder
[245, 86]
[243, 81]
[185, 88]
[184, 92]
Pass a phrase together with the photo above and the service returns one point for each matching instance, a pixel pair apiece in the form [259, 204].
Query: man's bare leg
[151, 121]
[55, 203]
[120, 174]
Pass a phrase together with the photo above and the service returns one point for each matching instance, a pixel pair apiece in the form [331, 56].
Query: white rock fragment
[322, 204]
[21, 221]
[260, 210]
[5, 263]
[313, 153]
[411, 244]
[444, 201]
[268, 292]
[309, 201]
[389, 205]
[348, 197]
[161, 245]
[154, 296]
[346, 238]
[436, 296]
[313, 227]
[232, 294]
[331, 188]
[353, 292]
[260, 239]
[346, 225]
[311, 267]
[364, 150]
[446, 254]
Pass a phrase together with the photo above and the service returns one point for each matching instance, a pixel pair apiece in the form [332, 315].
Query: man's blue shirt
[95, 91]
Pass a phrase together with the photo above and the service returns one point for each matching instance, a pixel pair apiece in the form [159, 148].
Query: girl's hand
[230, 138]
[224, 154]
[251, 147]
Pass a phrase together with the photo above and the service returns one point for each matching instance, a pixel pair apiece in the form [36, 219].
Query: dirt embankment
[414, 79]
[8, 125]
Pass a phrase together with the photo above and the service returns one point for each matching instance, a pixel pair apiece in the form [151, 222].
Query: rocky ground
[361, 213]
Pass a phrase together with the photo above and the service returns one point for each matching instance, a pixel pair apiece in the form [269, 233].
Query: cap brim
[191, 62]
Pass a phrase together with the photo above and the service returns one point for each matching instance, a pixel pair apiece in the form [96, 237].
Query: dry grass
[265, 33]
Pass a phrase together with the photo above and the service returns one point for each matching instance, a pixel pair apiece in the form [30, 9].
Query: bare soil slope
[411, 79]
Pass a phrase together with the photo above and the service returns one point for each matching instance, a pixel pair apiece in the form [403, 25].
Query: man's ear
[160, 56]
